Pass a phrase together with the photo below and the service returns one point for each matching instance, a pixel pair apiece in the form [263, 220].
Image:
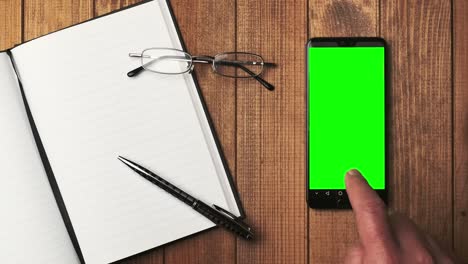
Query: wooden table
[262, 132]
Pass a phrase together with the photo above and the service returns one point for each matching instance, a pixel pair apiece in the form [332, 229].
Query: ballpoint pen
[216, 214]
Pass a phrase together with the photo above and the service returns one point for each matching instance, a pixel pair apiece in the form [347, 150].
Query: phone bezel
[333, 200]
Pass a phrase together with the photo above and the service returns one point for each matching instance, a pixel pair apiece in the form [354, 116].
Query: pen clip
[224, 211]
[229, 214]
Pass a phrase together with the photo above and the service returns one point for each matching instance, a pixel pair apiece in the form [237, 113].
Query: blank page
[88, 112]
[31, 228]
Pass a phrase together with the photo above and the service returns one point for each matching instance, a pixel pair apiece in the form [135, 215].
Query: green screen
[346, 115]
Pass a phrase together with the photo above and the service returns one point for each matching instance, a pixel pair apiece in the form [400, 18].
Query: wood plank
[332, 232]
[10, 23]
[270, 132]
[353, 18]
[42, 17]
[419, 35]
[154, 256]
[460, 57]
[102, 7]
[208, 28]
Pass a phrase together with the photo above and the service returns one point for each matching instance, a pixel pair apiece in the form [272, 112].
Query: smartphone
[346, 117]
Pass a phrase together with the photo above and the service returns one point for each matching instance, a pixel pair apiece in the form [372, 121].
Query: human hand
[383, 238]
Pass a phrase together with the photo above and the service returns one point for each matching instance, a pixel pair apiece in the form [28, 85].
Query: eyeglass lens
[167, 61]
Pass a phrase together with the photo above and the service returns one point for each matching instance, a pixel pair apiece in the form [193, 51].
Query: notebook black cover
[45, 161]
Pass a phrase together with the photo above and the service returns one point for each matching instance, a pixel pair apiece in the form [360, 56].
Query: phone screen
[346, 122]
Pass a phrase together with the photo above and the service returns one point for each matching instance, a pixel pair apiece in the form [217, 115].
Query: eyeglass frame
[206, 60]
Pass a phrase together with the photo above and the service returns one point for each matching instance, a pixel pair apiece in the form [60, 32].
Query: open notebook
[67, 110]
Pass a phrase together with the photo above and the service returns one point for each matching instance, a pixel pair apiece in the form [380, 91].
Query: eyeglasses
[229, 64]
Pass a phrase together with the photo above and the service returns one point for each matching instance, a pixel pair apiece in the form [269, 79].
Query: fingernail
[354, 173]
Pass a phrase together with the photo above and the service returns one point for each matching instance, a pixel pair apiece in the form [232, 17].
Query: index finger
[370, 213]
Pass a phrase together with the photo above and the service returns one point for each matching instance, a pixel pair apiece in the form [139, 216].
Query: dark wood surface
[460, 113]
[262, 133]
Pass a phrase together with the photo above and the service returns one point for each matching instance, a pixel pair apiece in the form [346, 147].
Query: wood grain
[418, 33]
[208, 28]
[270, 132]
[343, 18]
[45, 16]
[102, 7]
[332, 232]
[154, 256]
[460, 80]
[10, 23]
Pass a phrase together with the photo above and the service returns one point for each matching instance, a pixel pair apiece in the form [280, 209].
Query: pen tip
[125, 161]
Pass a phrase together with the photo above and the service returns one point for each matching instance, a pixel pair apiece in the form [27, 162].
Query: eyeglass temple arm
[266, 84]
[138, 70]
[135, 71]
